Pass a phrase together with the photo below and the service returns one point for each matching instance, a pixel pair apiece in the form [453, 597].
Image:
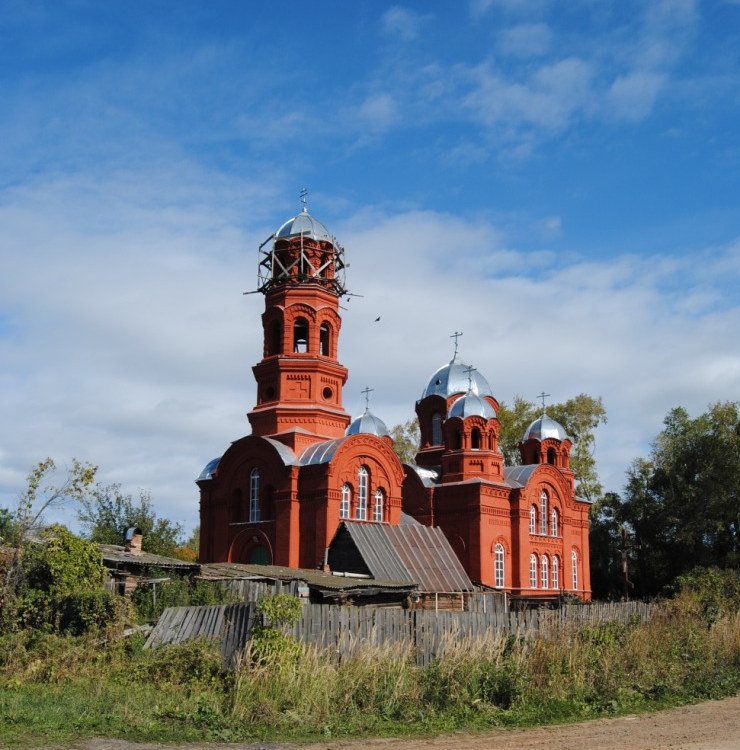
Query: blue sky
[558, 180]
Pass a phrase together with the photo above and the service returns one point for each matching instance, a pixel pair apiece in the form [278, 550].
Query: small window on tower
[437, 429]
[276, 338]
[324, 340]
[475, 439]
[300, 336]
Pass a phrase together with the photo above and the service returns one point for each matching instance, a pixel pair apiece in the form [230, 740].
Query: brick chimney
[133, 541]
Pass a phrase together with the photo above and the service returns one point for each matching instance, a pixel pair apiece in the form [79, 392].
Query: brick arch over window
[248, 544]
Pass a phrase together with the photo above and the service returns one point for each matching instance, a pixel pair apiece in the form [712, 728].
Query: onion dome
[304, 224]
[209, 470]
[367, 423]
[452, 378]
[471, 405]
[543, 428]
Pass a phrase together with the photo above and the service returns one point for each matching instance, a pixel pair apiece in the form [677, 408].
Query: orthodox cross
[367, 393]
[456, 336]
[543, 396]
[625, 546]
[469, 370]
[304, 196]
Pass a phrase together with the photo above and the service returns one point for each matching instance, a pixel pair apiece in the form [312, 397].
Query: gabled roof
[415, 553]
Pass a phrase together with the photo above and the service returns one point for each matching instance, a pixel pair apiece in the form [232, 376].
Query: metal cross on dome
[304, 198]
[470, 370]
[367, 393]
[456, 336]
[543, 396]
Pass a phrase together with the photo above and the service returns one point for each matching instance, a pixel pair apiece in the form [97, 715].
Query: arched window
[361, 510]
[324, 339]
[254, 496]
[574, 564]
[300, 335]
[554, 522]
[436, 429]
[346, 501]
[475, 439]
[378, 506]
[498, 567]
[551, 456]
[555, 572]
[545, 572]
[543, 513]
[533, 520]
[276, 338]
[533, 571]
[458, 440]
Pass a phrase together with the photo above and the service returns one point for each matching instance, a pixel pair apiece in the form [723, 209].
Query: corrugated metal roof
[320, 453]
[415, 553]
[377, 550]
[429, 558]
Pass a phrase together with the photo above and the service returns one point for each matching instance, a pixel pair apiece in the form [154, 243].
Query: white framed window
[574, 564]
[436, 428]
[554, 522]
[344, 506]
[555, 572]
[545, 572]
[378, 506]
[498, 566]
[533, 520]
[543, 513]
[361, 510]
[533, 571]
[254, 496]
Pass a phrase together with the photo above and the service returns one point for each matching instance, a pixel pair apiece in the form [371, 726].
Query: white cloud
[403, 23]
[526, 40]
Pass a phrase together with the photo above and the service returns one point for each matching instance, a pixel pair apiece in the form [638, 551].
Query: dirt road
[707, 726]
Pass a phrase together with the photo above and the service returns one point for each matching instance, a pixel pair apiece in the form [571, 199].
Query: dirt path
[707, 726]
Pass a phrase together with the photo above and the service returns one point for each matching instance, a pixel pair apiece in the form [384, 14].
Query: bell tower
[299, 379]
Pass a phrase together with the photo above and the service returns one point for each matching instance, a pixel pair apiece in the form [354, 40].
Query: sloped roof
[314, 578]
[115, 556]
[415, 553]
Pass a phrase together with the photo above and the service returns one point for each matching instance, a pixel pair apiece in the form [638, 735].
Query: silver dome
[367, 423]
[543, 428]
[303, 224]
[209, 470]
[471, 405]
[452, 378]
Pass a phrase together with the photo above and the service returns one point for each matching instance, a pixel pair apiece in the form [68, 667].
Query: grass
[59, 690]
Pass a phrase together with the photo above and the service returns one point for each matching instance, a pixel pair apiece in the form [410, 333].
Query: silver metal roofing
[471, 405]
[429, 477]
[416, 553]
[367, 422]
[209, 470]
[543, 428]
[285, 453]
[518, 476]
[452, 378]
[304, 224]
[320, 453]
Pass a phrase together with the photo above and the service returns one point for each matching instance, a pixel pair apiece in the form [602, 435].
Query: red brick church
[278, 495]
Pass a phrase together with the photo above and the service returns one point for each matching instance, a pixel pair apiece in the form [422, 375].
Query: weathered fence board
[341, 630]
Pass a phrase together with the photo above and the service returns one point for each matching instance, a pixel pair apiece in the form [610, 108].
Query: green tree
[681, 504]
[106, 514]
[40, 496]
[406, 440]
[514, 422]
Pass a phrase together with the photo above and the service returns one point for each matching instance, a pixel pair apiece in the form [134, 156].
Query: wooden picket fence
[341, 630]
